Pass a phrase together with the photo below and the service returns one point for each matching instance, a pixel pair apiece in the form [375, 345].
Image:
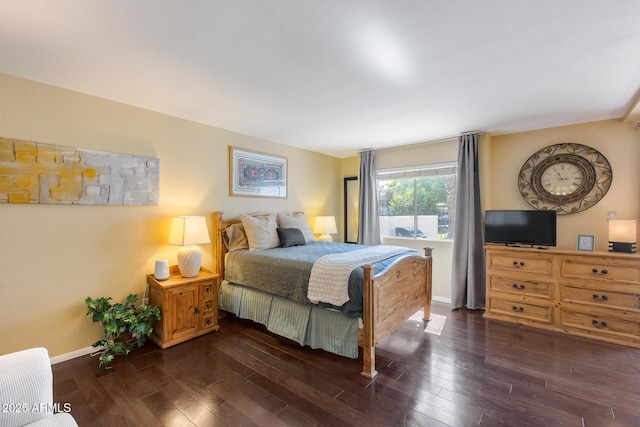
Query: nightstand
[189, 306]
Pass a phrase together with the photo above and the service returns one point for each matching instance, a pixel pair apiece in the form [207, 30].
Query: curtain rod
[429, 141]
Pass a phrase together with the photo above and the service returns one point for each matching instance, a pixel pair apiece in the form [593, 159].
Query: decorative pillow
[261, 231]
[298, 221]
[291, 237]
[237, 237]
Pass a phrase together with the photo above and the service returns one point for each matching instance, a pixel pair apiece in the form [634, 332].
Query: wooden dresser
[591, 294]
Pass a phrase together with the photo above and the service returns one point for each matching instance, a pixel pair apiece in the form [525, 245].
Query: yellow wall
[52, 256]
[620, 144]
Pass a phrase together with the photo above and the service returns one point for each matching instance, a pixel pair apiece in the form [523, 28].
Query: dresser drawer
[520, 287]
[209, 321]
[208, 290]
[519, 309]
[601, 297]
[524, 264]
[583, 269]
[605, 323]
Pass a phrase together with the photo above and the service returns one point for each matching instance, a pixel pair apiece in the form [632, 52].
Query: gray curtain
[368, 222]
[468, 280]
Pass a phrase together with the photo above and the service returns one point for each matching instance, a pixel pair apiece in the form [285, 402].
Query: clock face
[566, 178]
[561, 179]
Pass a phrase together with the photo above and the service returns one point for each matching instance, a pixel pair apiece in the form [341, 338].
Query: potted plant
[125, 325]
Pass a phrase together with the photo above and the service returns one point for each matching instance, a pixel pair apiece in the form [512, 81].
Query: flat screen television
[518, 227]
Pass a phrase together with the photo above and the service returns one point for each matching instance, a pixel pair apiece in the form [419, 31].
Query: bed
[390, 295]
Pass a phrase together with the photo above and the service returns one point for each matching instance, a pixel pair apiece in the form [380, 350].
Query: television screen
[516, 227]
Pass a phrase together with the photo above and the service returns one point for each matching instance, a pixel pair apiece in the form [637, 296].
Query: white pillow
[298, 221]
[261, 231]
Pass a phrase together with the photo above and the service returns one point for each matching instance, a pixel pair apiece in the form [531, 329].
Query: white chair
[26, 391]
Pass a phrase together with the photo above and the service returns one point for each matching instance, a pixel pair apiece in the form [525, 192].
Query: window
[417, 202]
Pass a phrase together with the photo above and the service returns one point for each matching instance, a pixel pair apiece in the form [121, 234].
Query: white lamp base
[189, 261]
[325, 238]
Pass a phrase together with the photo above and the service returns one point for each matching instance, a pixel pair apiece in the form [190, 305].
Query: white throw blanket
[329, 280]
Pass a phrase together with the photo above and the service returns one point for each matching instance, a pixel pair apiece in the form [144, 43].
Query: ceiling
[338, 76]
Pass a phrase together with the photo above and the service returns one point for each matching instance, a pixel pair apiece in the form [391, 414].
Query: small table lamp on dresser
[622, 235]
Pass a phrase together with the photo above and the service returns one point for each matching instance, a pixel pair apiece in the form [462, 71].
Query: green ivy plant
[125, 325]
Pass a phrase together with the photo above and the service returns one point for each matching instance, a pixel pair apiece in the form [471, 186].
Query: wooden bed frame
[390, 298]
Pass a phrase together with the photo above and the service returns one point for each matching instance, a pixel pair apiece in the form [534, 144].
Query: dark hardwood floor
[476, 372]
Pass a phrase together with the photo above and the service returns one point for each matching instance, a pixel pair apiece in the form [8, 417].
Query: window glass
[417, 202]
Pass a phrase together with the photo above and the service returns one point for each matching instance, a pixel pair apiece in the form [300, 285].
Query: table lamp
[325, 225]
[188, 231]
[622, 235]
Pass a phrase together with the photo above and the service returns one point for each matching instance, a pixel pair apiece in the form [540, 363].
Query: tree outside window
[417, 202]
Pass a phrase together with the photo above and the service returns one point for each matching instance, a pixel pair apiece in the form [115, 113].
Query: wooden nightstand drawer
[535, 312]
[520, 287]
[210, 321]
[208, 289]
[207, 306]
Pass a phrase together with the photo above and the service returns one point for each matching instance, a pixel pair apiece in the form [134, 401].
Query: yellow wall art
[32, 172]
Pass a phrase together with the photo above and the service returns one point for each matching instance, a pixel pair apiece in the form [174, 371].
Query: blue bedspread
[285, 271]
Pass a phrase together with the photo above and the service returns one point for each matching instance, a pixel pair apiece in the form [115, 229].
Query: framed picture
[586, 242]
[255, 174]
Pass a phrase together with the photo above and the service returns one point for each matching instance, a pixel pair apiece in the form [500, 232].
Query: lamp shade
[325, 225]
[187, 231]
[622, 235]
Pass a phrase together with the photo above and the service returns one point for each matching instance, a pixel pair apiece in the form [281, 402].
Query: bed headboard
[220, 224]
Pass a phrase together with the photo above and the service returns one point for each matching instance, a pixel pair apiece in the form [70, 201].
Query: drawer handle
[602, 273]
[602, 298]
[519, 287]
[597, 324]
[520, 309]
[517, 264]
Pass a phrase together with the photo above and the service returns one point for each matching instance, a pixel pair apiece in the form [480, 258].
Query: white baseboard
[441, 299]
[74, 354]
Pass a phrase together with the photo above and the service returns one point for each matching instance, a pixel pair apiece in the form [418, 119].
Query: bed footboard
[391, 298]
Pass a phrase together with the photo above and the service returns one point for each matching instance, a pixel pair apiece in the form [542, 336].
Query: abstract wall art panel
[31, 172]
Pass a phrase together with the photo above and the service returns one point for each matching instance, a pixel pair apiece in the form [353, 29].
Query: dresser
[591, 294]
[188, 305]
